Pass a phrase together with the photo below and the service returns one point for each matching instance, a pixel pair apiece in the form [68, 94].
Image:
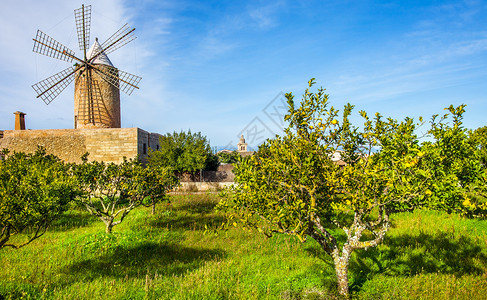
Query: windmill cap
[101, 59]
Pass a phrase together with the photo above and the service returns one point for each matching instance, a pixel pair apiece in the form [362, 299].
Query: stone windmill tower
[101, 108]
[97, 81]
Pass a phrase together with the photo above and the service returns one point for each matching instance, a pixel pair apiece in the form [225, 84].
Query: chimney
[19, 120]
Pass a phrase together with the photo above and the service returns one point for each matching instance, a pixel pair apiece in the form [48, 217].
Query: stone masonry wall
[103, 144]
[146, 141]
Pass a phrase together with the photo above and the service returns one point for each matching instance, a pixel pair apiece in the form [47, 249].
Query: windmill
[97, 81]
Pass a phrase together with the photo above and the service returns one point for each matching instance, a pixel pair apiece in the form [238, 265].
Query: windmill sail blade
[120, 38]
[49, 88]
[46, 45]
[124, 81]
[83, 24]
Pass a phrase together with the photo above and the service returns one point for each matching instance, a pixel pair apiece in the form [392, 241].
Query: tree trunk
[153, 207]
[341, 268]
[109, 226]
[5, 236]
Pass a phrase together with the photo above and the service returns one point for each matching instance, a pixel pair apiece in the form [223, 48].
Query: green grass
[176, 254]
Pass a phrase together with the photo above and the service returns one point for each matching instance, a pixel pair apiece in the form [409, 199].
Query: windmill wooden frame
[90, 105]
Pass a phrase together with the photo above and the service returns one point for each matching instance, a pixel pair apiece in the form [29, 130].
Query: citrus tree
[460, 160]
[156, 181]
[294, 185]
[478, 189]
[112, 190]
[34, 189]
[478, 138]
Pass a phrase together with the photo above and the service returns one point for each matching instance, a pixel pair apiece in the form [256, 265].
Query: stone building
[242, 147]
[102, 144]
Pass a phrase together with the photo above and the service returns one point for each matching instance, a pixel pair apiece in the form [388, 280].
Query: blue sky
[220, 67]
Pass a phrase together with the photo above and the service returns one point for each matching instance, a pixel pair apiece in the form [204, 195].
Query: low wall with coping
[102, 144]
[202, 186]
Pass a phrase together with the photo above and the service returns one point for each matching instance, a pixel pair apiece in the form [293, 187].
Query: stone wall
[191, 187]
[208, 176]
[103, 144]
[218, 176]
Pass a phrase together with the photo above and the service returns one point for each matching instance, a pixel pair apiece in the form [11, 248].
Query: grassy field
[175, 254]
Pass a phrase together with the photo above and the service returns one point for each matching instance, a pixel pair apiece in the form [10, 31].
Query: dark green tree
[34, 190]
[185, 152]
[228, 158]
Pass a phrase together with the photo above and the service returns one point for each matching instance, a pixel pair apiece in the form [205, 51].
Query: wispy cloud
[265, 16]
